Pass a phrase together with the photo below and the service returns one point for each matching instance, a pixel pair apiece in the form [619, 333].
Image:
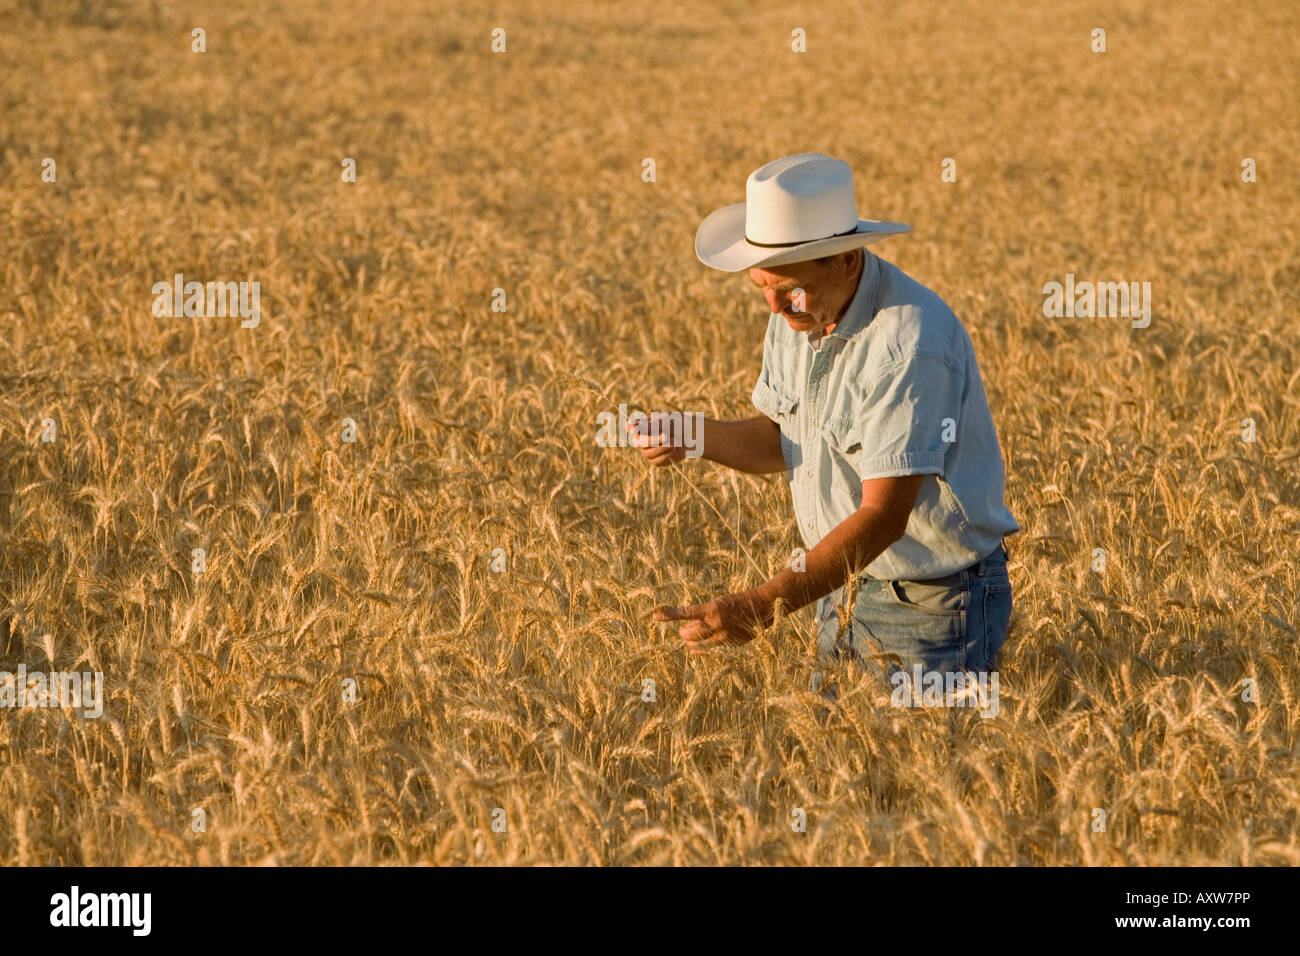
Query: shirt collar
[862, 307]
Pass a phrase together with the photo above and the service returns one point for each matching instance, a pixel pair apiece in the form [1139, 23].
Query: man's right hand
[659, 439]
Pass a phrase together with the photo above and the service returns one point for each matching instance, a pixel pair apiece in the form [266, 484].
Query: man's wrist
[794, 590]
[700, 436]
[763, 600]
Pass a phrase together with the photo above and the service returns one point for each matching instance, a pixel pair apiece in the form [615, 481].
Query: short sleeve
[909, 417]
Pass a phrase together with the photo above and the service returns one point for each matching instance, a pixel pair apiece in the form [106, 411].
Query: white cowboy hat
[796, 208]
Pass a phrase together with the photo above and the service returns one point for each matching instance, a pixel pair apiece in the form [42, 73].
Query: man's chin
[801, 325]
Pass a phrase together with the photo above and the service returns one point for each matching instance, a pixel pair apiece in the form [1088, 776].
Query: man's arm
[751, 445]
[851, 545]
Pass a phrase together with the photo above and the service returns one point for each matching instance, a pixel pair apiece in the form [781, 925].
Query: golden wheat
[521, 691]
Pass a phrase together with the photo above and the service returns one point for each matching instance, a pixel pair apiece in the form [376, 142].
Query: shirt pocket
[843, 445]
[841, 420]
[776, 402]
[844, 438]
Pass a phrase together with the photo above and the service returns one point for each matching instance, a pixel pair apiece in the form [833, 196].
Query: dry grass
[522, 690]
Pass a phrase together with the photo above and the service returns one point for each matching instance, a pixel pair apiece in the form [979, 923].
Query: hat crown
[798, 199]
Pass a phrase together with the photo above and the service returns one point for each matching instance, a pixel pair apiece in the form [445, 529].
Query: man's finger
[694, 632]
[694, 611]
[639, 426]
[642, 432]
[708, 642]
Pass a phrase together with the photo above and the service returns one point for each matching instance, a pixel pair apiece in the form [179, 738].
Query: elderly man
[872, 404]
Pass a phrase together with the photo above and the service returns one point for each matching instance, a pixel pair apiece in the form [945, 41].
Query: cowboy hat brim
[720, 242]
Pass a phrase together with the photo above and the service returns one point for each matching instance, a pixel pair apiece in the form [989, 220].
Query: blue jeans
[951, 624]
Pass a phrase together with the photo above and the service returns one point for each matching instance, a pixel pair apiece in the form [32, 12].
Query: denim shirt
[893, 390]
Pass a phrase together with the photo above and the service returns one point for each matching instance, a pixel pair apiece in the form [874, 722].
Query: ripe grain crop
[522, 688]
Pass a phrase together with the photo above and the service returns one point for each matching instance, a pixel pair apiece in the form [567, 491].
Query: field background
[476, 430]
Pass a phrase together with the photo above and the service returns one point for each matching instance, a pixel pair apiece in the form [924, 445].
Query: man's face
[824, 285]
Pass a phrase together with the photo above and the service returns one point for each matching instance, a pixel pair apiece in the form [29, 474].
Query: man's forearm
[751, 445]
[850, 546]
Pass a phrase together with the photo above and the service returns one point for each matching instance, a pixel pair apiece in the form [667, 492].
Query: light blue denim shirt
[893, 390]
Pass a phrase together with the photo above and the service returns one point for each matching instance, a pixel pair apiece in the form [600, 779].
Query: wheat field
[479, 574]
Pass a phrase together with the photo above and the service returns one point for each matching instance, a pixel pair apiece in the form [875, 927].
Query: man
[872, 404]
